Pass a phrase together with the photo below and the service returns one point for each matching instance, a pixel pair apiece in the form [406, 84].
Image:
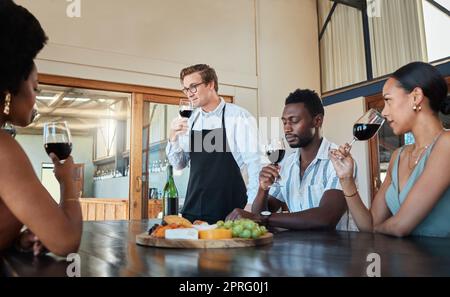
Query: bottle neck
[170, 189]
[169, 172]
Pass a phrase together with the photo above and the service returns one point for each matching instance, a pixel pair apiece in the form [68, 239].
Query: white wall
[261, 49]
[437, 30]
[288, 51]
[149, 42]
[338, 127]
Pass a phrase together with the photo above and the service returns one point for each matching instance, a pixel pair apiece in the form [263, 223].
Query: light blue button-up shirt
[304, 193]
[242, 138]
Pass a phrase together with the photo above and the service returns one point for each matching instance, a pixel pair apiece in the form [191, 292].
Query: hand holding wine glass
[342, 161]
[275, 151]
[58, 145]
[363, 129]
[186, 108]
[178, 126]
[57, 139]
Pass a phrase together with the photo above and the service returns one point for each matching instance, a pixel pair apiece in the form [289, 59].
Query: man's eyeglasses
[192, 88]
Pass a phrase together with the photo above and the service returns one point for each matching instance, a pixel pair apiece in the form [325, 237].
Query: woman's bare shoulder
[444, 140]
[10, 150]
[7, 142]
[441, 148]
[446, 136]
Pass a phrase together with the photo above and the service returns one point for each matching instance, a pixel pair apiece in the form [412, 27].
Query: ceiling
[83, 109]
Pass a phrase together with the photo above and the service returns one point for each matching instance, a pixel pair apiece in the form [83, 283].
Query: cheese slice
[182, 233]
[216, 234]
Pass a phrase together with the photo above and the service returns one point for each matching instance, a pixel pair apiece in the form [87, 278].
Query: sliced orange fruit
[215, 234]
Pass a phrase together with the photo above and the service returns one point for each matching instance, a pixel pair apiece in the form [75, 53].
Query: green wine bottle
[170, 194]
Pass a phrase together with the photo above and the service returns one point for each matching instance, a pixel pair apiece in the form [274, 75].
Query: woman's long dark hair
[428, 78]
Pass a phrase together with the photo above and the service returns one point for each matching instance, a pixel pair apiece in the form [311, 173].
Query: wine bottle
[170, 194]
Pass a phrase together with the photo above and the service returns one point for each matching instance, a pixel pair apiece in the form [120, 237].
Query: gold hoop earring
[7, 104]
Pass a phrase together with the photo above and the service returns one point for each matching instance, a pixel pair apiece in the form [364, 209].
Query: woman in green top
[415, 196]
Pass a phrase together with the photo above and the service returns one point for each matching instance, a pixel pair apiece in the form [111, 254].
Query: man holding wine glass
[218, 139]
[308, 185]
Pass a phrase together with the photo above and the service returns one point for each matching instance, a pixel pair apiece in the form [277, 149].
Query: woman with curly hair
[23, 199]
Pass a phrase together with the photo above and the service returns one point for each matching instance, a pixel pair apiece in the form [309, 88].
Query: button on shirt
[304, 193]
[242, 138]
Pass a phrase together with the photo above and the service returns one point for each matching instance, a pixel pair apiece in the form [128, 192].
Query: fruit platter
[178, 232]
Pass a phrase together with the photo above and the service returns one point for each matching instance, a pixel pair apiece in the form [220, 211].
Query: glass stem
[351, 143]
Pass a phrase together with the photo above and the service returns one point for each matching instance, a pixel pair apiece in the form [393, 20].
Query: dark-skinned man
[310, 188]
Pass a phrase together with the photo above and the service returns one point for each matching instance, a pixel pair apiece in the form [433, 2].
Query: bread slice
[174, 219]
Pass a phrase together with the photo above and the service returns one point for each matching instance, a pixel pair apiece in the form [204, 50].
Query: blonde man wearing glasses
[219, 139]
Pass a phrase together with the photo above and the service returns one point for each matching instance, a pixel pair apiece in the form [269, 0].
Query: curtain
[397, 36]
[341, 47]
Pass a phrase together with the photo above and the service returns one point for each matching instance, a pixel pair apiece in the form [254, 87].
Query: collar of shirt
[322, 153]
[216, 112]
[207, 120]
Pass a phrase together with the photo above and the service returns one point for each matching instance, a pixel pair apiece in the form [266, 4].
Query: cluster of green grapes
[243, 228]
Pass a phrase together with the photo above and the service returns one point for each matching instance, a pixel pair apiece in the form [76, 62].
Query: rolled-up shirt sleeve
[177, 157]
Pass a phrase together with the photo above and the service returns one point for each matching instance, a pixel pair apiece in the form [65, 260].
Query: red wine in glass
[57, 139]
[365, 131]
[61, 149]
[185, 113]
[367, 125]
[275, 156]
[186, 108]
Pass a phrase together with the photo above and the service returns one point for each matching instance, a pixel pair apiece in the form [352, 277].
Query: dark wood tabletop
[108, 248]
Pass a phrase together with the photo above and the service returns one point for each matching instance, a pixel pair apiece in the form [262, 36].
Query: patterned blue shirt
[304, 193]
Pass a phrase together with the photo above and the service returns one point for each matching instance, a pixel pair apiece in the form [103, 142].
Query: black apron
[215, 184]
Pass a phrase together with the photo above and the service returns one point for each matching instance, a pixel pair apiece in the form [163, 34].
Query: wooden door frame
[137, 206]
[137, 125]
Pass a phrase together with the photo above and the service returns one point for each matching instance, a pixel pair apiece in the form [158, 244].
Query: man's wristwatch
[265, 215]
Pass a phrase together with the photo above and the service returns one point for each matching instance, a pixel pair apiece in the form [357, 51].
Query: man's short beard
[302, 142]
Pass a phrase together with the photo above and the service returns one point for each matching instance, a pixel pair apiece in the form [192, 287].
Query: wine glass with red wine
[275, 151]
[57, 139]
[367, 125]
[186, 108]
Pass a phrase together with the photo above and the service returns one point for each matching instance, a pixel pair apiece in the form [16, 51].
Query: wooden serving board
[145, 239]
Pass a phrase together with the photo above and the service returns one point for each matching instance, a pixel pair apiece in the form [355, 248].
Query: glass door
[152, 115]
[156, 128]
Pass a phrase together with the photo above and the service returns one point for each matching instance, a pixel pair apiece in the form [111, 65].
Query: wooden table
[108, 249]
